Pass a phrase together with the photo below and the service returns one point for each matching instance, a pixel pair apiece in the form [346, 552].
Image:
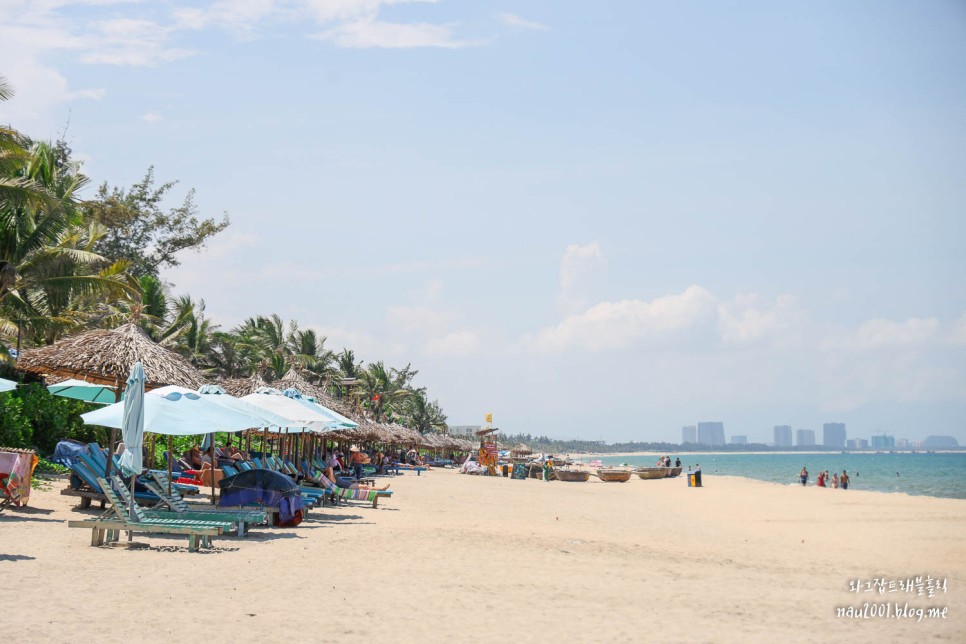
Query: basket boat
[572, 475]
[673, 471]
[614, 476]
[652, 472]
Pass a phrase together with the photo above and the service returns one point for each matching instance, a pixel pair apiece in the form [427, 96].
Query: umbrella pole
[170, 456]
[211, 455]
[118, 390]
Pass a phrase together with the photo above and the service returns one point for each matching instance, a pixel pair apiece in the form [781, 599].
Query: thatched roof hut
[105, 357]
[242, 386]
[520, 449]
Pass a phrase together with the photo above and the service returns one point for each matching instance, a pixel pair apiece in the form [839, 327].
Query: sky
[595, 220]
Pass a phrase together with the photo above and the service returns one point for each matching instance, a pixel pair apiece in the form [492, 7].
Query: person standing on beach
[844, 480]
[547, 468]
[821, 479]
[803, 476]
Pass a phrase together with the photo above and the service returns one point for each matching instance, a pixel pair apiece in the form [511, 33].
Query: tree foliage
[141, 231]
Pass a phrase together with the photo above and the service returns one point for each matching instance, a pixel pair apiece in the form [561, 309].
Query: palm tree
[48, 271]
[383, 390]
[308, 353]
[424, 416]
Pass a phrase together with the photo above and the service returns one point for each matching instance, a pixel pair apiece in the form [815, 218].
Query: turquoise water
[923, 474]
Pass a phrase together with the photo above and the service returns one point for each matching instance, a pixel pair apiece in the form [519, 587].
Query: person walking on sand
[821, 479]
[844, 480]
[835, 481]
[803, 476]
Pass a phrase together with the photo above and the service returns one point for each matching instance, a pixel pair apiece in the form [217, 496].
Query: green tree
[423, 415]
[142, 232]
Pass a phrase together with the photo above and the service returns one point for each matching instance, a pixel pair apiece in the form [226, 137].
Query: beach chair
[349, 494]
[158, 484]
[105, 528]
[314, 495]
[129, 510]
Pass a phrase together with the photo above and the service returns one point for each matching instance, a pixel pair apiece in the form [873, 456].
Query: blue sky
[599, 220]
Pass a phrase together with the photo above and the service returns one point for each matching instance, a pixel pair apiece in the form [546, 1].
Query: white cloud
[881, 333]
[513, 20]
[348, 10]
[392, 35]
[419, 319]
[581, 274]
[456, 343]
[748, 318]
[151, 117]
[618, 325]
[957, 335]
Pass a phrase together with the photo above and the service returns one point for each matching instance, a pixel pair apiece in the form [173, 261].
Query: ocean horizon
[937, 474]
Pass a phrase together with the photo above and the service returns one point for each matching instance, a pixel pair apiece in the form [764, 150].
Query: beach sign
[519, 471]
[489, 417]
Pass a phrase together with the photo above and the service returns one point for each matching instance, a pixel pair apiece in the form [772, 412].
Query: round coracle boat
[614, 476]
[572, 475]
[673, 471]
[652, 472]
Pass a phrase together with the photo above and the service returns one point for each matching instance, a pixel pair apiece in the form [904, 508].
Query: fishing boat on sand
[612, 475]
[673, 471]
[648, 473]
[577, 476]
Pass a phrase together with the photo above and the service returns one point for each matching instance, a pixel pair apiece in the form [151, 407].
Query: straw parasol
[239, 387]
[105, 356]
[520, 449]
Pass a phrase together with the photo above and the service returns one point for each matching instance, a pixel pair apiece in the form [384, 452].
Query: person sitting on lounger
[350, 484]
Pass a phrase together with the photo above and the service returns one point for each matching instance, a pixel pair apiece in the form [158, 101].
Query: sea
[939, 474]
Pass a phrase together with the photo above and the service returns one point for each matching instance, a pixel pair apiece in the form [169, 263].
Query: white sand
[457, 558]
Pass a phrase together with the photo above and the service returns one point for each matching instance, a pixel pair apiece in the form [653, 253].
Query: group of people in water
[824, 479]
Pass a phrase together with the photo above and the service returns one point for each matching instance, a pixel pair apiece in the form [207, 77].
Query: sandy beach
[453, 558]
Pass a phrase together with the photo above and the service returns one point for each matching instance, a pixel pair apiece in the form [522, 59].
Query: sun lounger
[180, 508]
[108, 528]
[126, 510]
[371, 496]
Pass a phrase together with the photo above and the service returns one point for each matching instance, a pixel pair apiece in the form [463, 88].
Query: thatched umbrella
[105, 357]
[520, 449]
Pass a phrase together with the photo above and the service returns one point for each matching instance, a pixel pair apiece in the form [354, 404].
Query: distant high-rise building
[739, 440]
[689, 434]
[833, 435]
[783, 435]
[711, 433]
[805, 437]
[883, 441]
[903, 443]
[932, 442]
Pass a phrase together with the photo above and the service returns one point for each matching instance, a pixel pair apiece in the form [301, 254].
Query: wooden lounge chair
[158, 483]
[106, 528]
[132, 513]
[349, 494]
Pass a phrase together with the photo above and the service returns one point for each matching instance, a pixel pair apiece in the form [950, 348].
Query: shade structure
[217, 395]
[7, 385]
[338, 420]
[83, 390]
[105, 357]
[177, 411]
[300, 417]
[132, 422]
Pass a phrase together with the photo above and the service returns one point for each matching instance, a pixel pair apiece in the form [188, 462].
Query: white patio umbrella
[300, 416]
[338, 421]
[7, 385]
[132, 423]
